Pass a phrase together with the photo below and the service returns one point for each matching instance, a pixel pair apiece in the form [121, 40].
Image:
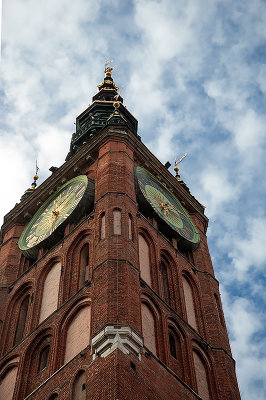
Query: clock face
[50, 220]
[167, 207]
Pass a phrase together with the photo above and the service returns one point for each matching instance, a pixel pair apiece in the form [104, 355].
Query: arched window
[201, 376]
[148, 328]
[38, 367]
[117, 222]
[130, 227]
[172, 344]
[165, 282]
[102, 226]
[84, 265]
[78, 333]
[175, 350]
[79, 386]
[22, 318]
[16, 324]
[50, 292]
[189, 302]
[44, 356]
[144, 260]
[7, 383]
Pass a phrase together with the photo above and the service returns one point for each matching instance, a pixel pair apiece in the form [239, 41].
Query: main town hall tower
[107, 286]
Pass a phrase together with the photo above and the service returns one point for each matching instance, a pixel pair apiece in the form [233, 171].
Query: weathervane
[108, 70]
[33, 185]
[35, 178]
[176, 168]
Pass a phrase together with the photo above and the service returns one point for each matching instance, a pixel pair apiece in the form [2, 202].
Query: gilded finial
[176, 168]
[108, 82]
[116, 105]
[108, 70]
[33, 185]
[35, 177]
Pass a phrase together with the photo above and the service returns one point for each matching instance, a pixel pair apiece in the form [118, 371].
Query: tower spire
[106, 109]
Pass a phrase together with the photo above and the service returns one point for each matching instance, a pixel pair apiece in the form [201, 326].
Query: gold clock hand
[176, 209]
[60, 206]
[63, 205]
[63, 201]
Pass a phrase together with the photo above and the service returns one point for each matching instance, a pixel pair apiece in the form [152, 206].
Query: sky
[193, 73]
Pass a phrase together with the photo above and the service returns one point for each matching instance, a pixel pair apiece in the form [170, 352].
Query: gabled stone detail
[111, 338]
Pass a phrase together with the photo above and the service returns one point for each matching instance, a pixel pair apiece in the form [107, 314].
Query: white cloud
[244, 322]
[15, 169]
[248, 251]
[249, 131]
[217, 189]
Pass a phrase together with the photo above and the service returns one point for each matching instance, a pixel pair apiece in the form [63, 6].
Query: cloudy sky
[193, 72]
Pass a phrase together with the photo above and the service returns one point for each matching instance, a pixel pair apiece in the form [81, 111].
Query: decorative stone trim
[111, 338]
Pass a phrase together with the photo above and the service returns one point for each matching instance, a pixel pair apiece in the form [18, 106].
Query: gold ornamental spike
[33, 185]
[176, 168]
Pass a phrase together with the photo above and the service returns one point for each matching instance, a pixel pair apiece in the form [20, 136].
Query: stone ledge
[111, 338]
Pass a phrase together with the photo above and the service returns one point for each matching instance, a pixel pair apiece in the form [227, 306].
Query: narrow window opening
[31, 262]
[165, 282]
[172, 345]
[165, 285]
[175, 349]
[84, 265]
[133, 366]
[44, 355]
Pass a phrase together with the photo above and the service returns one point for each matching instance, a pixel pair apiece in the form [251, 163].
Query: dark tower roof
[107, 109]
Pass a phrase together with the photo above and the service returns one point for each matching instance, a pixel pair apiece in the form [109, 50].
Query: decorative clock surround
[153, 193]
[67, 204]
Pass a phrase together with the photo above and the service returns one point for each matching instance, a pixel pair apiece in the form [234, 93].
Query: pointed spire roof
[102, 112]
[107, 89]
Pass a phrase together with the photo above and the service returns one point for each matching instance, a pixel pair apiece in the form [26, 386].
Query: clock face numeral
[167, 206]
[53, 213]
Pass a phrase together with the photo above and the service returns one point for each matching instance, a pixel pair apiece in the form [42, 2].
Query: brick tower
[107, 285]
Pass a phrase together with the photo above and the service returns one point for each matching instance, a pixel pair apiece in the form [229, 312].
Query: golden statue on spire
[108, 70]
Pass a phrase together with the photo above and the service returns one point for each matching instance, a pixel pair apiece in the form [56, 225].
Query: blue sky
[194, 75]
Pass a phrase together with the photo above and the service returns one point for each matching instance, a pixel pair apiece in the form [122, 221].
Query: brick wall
[114, 293]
